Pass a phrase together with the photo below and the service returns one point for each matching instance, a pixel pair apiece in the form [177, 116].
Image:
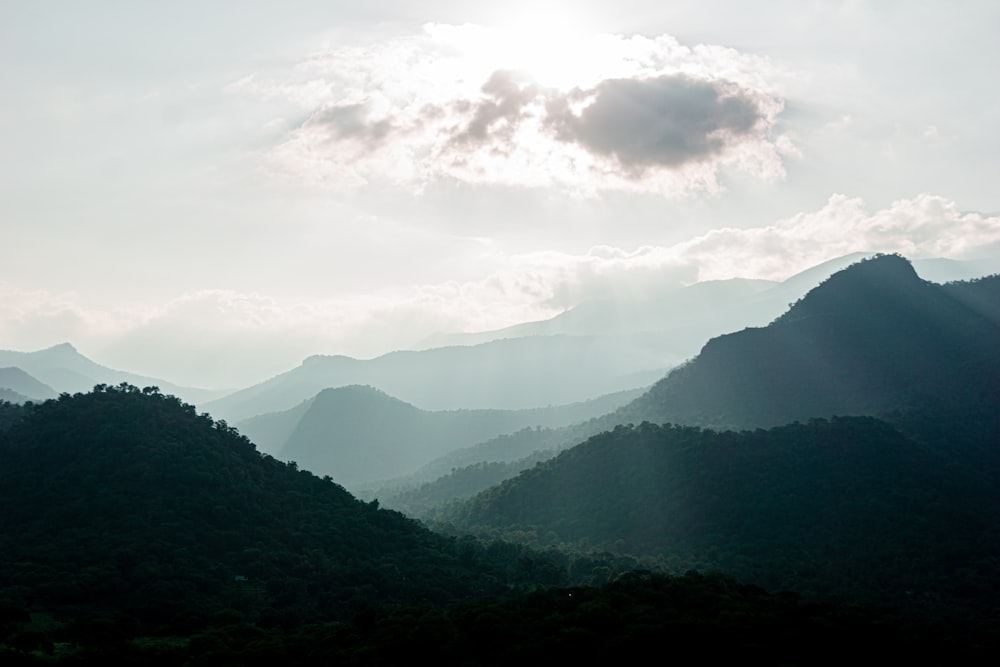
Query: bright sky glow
[210, 193]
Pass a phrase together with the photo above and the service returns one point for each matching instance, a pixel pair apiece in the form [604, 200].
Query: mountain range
[845, 453]
[360, 434]
[599, 347]
[872, 339]
[62, 368]
[869, 340]
[850, 445]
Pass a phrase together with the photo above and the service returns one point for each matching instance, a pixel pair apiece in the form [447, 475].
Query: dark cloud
[499, 113]
[350, 121]
[667, 121]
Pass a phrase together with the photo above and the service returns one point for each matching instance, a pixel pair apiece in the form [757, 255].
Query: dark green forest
[847, 507]
[135, 527]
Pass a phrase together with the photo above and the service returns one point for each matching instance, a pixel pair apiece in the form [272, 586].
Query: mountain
[506, 374]
[873, 338]
[127, 500]
[688, 309]
[599, 347]
[466, 471]
[687, 316]
[135, 531]
[359, 434]
[848, 506]
[64, 369]
[16, 380]
[798, 493]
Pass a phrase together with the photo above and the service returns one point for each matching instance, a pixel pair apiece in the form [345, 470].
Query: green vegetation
[846, 507]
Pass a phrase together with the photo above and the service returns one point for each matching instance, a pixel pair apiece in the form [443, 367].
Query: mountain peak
[62, 348]
[62, 354]
[882, 280]
[320, 359]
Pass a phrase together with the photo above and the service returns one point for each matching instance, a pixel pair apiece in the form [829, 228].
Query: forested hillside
[136, 531]
[127, 502]
[848, 506]
[871, 340]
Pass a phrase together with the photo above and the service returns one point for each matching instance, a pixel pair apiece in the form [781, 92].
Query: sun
[554, 46]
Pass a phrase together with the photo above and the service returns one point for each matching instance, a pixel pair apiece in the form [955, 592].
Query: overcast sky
[210, 191]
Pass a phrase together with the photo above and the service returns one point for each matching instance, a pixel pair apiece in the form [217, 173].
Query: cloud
[228, 338]
[925, 226]
[667, 121]
[499, 113]
[351, 121]
[460, 104]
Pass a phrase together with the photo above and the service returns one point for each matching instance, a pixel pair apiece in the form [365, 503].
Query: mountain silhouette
[64, 369]
[873, 338]
[16, 380]
[127, 500]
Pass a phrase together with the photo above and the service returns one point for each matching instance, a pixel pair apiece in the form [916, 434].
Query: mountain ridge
[812, 362]
[360, 434]
[65, 369]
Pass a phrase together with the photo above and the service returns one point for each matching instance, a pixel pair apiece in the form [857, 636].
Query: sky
[210, 192]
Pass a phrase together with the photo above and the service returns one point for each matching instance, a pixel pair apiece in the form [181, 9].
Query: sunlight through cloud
[530, 105]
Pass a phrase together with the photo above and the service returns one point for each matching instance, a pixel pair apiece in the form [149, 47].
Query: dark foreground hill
[135, 531]
[127, 500]
[846, 507]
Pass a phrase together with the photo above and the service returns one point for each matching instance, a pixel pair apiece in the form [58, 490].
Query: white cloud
[922, 227]
[585, 115]
[228, 338]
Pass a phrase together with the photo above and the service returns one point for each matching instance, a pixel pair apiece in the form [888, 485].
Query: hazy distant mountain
[359, 434]
[16, 380]
[686, 309]
[597, 348]
[64, 369]
[12, 396]
[508, 374]
[686, 317]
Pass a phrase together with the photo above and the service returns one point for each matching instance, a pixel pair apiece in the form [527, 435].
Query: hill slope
[872, 339]
[360, 434]
[16, 380]
[64, 369]
[128, 501]
[845, 507]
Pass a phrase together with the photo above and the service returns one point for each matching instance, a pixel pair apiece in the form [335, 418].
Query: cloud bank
[456, 103]
[219, 338]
